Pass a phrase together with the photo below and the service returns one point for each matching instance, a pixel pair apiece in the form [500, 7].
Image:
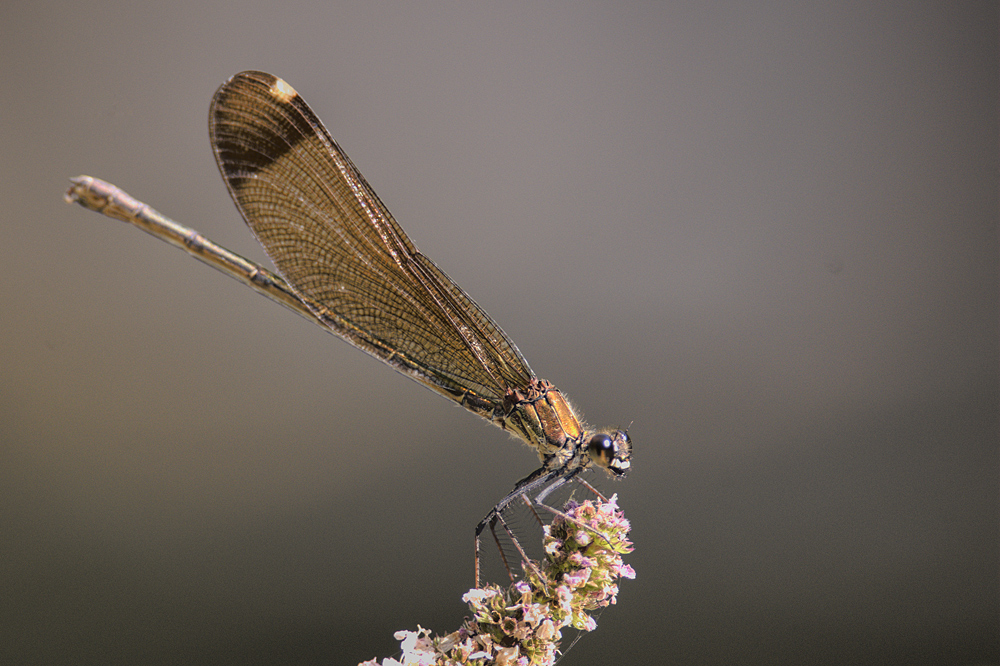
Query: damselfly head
[612, 451]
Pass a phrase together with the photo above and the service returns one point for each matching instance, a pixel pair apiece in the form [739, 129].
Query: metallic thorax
[544, 418]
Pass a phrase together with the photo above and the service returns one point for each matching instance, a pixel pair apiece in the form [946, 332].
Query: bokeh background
[764, 234]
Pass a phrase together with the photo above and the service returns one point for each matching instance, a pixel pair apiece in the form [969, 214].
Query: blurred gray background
[764, 234]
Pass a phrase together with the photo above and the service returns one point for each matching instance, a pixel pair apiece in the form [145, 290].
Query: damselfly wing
[344, 255]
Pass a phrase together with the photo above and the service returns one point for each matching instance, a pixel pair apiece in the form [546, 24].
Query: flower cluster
[520, 626]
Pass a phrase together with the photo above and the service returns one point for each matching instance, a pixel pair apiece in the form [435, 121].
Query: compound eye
[601, 449]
